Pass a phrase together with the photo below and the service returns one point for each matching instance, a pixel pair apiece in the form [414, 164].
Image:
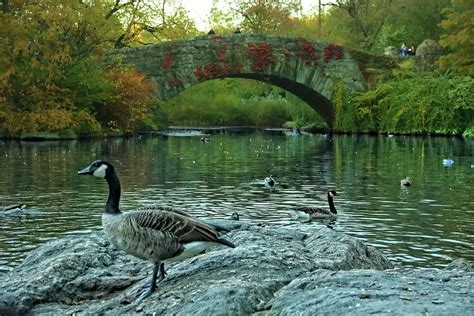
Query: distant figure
[403, 50]
[412, 51]
[211, 32]
[205, 139]
[296, 131]
[237, 31]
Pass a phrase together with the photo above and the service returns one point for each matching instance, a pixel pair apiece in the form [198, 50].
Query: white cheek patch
[100, 172]
[330, 194]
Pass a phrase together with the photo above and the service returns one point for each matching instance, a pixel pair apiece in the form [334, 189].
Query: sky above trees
[199, 10]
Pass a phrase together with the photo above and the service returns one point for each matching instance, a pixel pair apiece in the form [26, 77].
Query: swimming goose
[269, 182]
[317, 212]
[405, 182]
[153, 234]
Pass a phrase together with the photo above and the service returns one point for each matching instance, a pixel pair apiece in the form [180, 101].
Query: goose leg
[155, 279]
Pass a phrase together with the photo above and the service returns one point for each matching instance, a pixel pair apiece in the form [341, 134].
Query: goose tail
[225, 242]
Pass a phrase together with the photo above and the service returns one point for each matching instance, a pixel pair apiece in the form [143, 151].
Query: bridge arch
[308, 69]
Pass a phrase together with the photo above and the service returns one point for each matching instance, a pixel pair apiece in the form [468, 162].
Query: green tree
[146, 21]
[264, 16]
[358, 23]
[458, 38]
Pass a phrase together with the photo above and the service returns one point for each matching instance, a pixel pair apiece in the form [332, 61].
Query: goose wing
[178, 224]
[312, 210]
[178, 211]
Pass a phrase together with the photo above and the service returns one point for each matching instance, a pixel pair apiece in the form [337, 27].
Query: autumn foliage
[132, 107]
[53, 75]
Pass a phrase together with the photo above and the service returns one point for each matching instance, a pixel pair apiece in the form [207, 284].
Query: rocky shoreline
[301, 269]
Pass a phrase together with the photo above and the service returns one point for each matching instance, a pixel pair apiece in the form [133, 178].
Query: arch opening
[314, 99]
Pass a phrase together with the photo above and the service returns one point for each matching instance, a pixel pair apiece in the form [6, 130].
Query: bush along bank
[412, 103]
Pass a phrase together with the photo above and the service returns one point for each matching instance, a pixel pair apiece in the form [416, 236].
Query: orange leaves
[133, 103]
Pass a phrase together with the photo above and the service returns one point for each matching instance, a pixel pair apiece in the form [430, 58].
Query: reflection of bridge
[308, 69]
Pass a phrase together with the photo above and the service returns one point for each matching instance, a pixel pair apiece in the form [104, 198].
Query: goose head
[332, 193]
[269, 182]
[98, 168]
[405, 182]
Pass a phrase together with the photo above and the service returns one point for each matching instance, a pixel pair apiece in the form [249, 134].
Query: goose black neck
[112, 206]
[331, 204]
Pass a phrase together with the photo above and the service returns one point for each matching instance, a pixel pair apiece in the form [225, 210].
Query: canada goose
[317, 212]
[205, 139]
[405, 182]
[13, 209]
[269, 182]
[154, 233]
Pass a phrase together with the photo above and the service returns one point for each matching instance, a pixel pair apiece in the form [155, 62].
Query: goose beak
[85, 171]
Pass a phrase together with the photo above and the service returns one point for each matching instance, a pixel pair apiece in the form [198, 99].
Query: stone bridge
[308, 69]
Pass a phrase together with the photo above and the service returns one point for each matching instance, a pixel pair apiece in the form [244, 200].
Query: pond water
[425, 225]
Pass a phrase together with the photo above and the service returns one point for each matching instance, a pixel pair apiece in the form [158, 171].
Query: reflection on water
[427, 224]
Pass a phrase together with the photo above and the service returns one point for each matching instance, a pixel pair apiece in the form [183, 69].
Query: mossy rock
[39, 136]
[114, 134]
[67, 134]
[57, 135]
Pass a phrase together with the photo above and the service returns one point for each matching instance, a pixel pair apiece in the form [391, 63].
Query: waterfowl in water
[405, 182]
[318, 212]
[154, 234]
[13, 209]
[448, 162]
[269, 183]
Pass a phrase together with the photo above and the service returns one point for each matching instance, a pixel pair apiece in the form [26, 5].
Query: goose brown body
[318, 212]
[314, 212]
[155, 234]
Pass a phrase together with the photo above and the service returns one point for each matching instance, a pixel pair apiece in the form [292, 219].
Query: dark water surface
[426, 225]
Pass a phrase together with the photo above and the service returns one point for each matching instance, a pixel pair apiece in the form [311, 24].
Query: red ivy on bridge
[168, 60]
[175, 81]
[212, 70]
[332, 51]
[308, 52]
[261, 55]
[221, 53]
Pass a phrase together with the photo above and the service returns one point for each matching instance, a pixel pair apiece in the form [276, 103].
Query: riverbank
[292, 269]
[172, 130]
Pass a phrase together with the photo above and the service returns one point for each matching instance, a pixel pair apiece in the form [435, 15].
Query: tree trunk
[319, 17]
[5, 7]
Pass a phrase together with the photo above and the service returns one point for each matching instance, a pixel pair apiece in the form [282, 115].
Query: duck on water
[269, 183]
[154, 234]
[310, 212]
[16, 209]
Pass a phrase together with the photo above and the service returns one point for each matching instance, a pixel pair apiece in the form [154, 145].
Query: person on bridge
[403, 50]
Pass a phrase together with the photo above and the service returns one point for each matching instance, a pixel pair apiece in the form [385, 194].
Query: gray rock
[461, 265]
[272, 270]
[429, 49]
[391, 51]
[366, 292]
